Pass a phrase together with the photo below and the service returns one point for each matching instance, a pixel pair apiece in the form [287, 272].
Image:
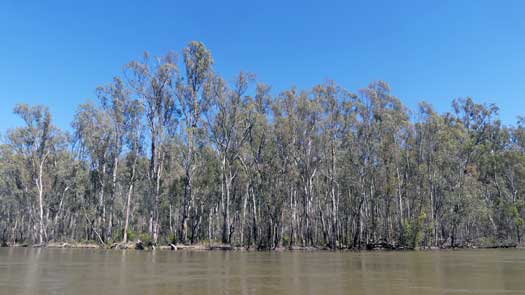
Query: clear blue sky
[56, 53]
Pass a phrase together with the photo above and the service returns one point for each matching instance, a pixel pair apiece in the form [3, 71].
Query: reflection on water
[76, 271]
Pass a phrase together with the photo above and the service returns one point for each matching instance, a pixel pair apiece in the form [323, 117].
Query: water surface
[82, 272]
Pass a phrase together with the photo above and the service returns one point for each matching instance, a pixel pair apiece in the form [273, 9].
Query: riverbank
[139, 246]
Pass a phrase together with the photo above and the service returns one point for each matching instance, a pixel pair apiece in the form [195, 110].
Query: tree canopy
[173, 153]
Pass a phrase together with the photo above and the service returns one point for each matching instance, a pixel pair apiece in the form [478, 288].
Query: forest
[170, 152]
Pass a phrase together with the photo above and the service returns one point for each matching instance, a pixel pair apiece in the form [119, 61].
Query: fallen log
[380, 246]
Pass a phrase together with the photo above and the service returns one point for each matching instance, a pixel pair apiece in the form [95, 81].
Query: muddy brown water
[82, 272]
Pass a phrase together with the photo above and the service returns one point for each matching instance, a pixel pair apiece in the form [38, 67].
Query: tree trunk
[128, 201]
[41, 232]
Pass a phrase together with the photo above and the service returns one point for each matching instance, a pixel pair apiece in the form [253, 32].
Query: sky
[56, 53]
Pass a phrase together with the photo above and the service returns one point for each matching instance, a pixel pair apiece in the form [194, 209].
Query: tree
[229, 129]
[154, 82]
[189, 157]
[94, 134]
[37, 143]
[134, 139]
[192, 103]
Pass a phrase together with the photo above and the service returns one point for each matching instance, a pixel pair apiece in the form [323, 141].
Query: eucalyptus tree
[254, 158]
[297, 116]
[68, 178]
[134, 141]
[476, 120]
[332, 100]
[514, 173]
[153, 80]
[283, 137]
[184, 156]
[94, 134]
[192, 102]
[16, 209]
[114, 99]
[350, 171]
[429, 145]
[36, 143]
[228, 129]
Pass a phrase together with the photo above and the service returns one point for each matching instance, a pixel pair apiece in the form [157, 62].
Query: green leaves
[189, 156]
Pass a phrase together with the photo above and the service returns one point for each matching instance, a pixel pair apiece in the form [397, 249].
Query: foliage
[172, 152]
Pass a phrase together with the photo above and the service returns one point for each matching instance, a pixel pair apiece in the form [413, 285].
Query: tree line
[173, 153]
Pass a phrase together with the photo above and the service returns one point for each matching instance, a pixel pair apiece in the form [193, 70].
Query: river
[82, 272]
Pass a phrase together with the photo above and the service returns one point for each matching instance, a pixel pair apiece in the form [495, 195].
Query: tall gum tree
[189, 157]
[229, 130]
[94, 135]
[37, 142]
[154, 80]
[192, 103]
